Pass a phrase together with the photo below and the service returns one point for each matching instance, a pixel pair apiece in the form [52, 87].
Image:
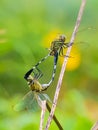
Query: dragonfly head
[62, 38]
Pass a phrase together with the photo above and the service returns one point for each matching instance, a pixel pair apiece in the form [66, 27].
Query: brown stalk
[64, 63]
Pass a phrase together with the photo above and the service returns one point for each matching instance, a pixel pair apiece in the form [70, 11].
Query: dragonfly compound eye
[62, 38]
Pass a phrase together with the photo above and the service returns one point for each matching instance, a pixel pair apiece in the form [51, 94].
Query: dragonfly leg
[61, 52]
[40, 74]
[37, 75]
[66, 45]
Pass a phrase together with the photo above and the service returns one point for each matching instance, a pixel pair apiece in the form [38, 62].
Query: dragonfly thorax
[62, 38]
[34, 84]
[57, 45]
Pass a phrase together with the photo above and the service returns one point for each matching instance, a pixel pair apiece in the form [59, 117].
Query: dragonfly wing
[44, 96]
[28, 103]
[47, 97]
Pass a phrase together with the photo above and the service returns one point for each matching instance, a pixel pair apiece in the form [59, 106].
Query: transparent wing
[41, 97]
[44, 96]
[29, 103]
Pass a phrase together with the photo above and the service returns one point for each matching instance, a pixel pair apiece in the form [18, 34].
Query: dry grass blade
[43, 106]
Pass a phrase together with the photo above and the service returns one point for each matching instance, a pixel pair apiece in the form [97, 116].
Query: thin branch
[95, 126]
[54, 117]
[64, 64]
[43, 106]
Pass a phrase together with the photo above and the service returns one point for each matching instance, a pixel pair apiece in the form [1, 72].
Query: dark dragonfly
[32, 100]
[56, 49]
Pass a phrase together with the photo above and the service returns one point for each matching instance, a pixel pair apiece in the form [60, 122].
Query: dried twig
[54, 117]
[95, 126]
[64, 63]
[43, 106]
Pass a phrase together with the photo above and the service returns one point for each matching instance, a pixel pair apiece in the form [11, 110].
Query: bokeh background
[27, 28]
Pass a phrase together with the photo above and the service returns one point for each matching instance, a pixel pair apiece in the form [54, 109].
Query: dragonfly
[56, 49]
[58, 45]
[32, 101]
[36, 94]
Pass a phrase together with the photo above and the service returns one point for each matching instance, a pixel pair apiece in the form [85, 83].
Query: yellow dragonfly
[32, 100]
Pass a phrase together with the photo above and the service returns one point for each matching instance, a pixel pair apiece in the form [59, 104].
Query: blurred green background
[26, 29]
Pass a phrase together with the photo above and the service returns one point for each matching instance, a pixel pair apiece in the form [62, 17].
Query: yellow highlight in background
[75, 55]
[74, 60]
[50, 37]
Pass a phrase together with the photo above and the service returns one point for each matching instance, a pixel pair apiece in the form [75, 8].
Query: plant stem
[54, 117]
[65, 63]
